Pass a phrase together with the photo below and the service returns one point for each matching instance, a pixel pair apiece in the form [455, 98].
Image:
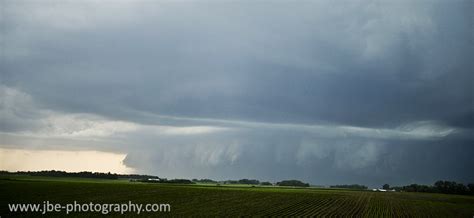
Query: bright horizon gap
[61, 160]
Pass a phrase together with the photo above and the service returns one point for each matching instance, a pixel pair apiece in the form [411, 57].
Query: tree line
[293, 183]
[84, 174]
[441, 186]
[240, 181]
[147, 178]
[253, 182]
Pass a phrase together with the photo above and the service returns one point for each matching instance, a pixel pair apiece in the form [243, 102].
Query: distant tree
[386, 186]
[470, 186]
[292, 183]
[266, 183]
[450, 187]
[249, 181]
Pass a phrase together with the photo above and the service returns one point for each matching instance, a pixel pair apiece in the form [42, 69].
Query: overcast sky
[329, 92]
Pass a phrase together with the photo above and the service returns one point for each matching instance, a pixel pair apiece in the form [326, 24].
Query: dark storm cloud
[396, 72]
[258, 63]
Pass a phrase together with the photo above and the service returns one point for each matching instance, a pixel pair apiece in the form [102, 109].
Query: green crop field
[206, 200]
